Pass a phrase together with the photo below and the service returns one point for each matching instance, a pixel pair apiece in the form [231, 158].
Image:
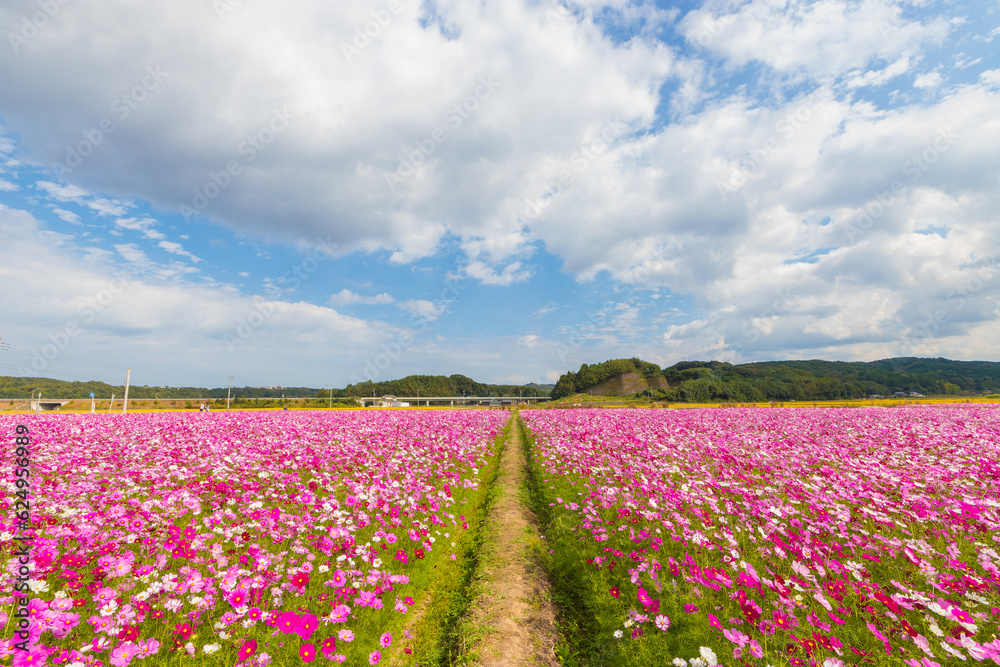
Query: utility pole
[331, 398]
[229, 392]
[38, 403]
[111, 404]
[128, 375]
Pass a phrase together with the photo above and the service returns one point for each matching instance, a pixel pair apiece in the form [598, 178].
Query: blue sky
[317, 193]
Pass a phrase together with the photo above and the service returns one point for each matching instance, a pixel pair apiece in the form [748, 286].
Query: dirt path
[512, 621]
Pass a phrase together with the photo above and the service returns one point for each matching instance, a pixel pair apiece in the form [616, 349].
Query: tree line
[707, 381]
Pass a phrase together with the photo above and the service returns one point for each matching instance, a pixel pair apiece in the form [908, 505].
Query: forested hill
[23, 387]
[440, 385]
[423, 385]
[700, 381]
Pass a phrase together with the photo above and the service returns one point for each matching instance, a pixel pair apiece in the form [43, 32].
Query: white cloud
[144, 225]
[67, 216]
[61, 192]
[991, 78]
[880, 77]
[928, 80]
[346, 134]
[426, 310]
[718, 182]
[55, 238]
[108, 206]
[510, 274]
[177, 249]
[816, 39]
[346, 297]
[117, 316]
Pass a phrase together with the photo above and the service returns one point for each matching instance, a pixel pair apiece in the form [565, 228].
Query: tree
[565, 386]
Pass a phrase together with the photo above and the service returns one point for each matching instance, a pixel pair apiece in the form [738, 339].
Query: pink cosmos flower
[340, 613]
[962, 616]
[121, 656]
[374, 657]
[385, 640]
[307, 625]
[120, 567]
[662, 622]
[33, 656]
[345, 635]
[288, 622]
[736, 637]
[148, 647]
[105, 595]
[307, 652]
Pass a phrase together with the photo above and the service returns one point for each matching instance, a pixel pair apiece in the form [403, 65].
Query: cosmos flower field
[777, 537]
[796, 536]
[240, 538]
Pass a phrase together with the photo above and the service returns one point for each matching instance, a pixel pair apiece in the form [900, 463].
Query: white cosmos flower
[37, 586]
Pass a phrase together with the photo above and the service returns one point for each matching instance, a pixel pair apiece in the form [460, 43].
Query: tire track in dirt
[512, 621]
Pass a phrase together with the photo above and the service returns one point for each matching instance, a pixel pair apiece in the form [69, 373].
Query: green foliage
[566, 386]
[815, 380]
[424, 385]
[439, 385]
[591, 376]
[22, 387]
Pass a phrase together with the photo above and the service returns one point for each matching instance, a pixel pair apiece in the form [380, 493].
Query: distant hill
[703, 381]
[424, 385]
[23, 387]
[440, 385]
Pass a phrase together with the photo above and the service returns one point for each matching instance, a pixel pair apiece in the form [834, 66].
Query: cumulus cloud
[447, 116]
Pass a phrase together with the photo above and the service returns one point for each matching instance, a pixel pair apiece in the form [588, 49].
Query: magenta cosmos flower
[247, 650]
[307, 625]
[307, 652]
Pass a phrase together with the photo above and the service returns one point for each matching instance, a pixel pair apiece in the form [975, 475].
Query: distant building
[391, 402]
[915, 394]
